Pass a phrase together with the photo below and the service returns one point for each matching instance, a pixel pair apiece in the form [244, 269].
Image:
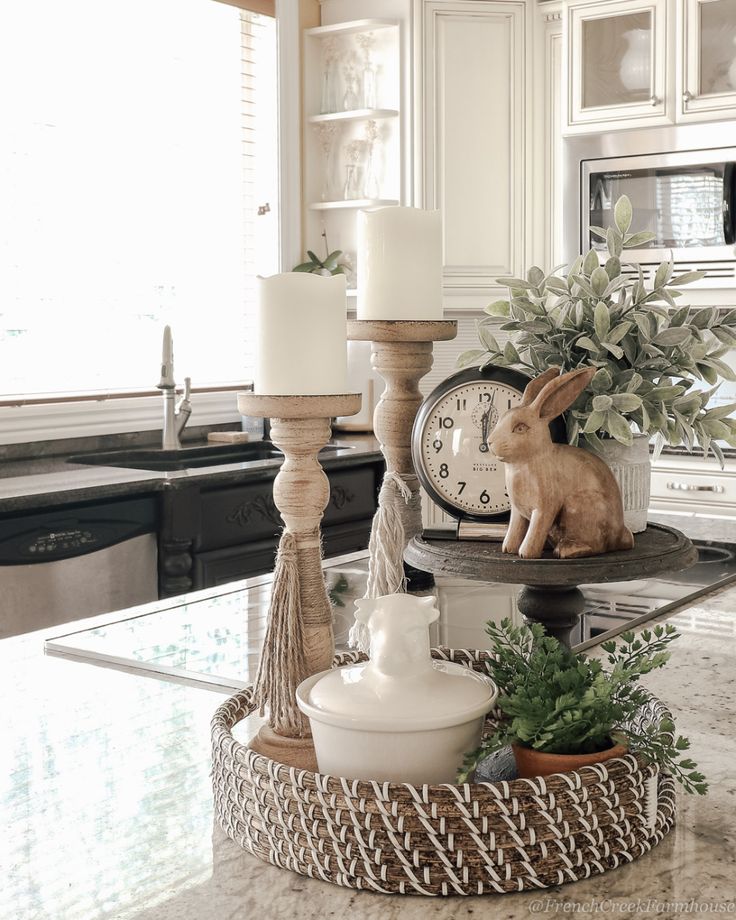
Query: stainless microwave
[682, 191]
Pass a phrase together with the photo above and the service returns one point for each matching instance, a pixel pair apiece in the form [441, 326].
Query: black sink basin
[187, 457]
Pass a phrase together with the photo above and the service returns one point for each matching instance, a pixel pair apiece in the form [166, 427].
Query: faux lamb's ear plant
[649, 353]
[557, 701]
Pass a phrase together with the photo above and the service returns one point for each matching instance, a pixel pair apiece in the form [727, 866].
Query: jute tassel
[281, 667]
[386, 547]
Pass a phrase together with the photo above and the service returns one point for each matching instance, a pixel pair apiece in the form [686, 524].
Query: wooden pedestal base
[300, 426]
[401, 352]
[550, 594]
[556, 607]
[294, 752]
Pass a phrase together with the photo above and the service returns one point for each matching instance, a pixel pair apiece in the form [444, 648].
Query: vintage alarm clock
[450, 447]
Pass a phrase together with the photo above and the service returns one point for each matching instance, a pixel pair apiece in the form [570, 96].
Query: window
[138, 143]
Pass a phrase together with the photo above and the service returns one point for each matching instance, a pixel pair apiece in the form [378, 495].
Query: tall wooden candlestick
[402, 355]
[300, 640]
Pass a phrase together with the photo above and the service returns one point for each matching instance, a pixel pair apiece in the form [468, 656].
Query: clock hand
[484, 431]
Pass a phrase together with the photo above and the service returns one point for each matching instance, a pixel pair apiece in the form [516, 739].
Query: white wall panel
[473, 154]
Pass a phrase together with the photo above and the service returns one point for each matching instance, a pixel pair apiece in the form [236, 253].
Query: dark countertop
[52, 481]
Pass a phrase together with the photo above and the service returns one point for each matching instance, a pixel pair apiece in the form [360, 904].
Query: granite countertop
[52, 481]
[106, 802]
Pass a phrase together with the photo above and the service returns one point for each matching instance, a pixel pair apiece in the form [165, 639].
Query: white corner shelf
[346, 28]
[353, 115]
[352, 203]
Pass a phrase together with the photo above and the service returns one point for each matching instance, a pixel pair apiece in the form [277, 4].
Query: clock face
[450, 441]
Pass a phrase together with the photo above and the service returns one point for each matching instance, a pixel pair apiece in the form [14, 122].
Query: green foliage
[317, 266]
[340, 586]
[648, 352]
[564, 703]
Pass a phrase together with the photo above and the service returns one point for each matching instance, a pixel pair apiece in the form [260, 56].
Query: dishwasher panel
[67, 564]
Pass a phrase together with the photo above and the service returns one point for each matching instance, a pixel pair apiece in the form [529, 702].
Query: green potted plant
[649, 354]
[327, 266]
[330, 265]
[563, 710]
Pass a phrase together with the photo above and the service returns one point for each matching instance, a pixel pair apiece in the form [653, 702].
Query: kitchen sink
[187, 457]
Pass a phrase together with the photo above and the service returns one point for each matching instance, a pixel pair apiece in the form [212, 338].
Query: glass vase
[329, 89]
[350, 99]
[352, 189]
[369, 87]
[370, 179]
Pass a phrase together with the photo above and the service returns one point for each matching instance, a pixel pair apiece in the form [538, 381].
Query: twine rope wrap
[398, 517]
[315, 605]
[281, 666]
[299, 603]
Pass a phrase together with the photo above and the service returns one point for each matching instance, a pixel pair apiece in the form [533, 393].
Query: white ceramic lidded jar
[403, 716]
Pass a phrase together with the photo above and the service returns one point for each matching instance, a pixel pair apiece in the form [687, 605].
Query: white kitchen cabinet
[690, 484]
[707, 72]
[472, 160]
[648, 62]
[466, 606]
[618, 64]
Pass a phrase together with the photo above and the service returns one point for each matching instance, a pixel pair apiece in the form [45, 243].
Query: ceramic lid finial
[399, 631]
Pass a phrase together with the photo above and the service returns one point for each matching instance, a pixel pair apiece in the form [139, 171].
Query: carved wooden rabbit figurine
[559, 493]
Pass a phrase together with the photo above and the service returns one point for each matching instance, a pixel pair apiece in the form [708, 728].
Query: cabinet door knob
[689, 487]
[687, 96]
[654, 100]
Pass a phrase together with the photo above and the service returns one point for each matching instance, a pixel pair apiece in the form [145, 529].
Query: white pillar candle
[301, 338]
[399, 264]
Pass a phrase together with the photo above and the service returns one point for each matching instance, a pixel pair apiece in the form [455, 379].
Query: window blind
[264, 7]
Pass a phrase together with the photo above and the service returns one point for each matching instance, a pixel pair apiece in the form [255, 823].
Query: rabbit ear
[535, 387]
[560, 393]
[364, 607]
[431, 610]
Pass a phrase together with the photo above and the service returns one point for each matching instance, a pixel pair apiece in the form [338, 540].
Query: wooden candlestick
[402, 355]
[300, 427]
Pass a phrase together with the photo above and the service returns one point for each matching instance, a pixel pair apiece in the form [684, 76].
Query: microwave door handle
[729, 203]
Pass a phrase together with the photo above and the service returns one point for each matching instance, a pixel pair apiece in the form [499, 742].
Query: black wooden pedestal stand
[550, 594]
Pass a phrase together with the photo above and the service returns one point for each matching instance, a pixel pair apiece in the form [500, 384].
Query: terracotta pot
[531, 763]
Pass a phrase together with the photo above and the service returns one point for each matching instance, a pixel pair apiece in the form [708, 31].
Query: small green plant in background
[317, 266]
[339, 587]
[330, 265]
[560, 702]
[648, 352]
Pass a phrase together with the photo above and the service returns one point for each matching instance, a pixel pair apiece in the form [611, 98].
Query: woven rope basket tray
[478, 838]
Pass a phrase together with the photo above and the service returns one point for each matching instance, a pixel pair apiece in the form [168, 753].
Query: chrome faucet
[176, 415]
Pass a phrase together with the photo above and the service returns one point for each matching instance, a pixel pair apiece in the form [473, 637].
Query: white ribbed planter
[632, 470]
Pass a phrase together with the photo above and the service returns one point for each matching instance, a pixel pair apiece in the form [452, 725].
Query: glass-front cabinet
[708, 49]
[617, 63]
[648, 62]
